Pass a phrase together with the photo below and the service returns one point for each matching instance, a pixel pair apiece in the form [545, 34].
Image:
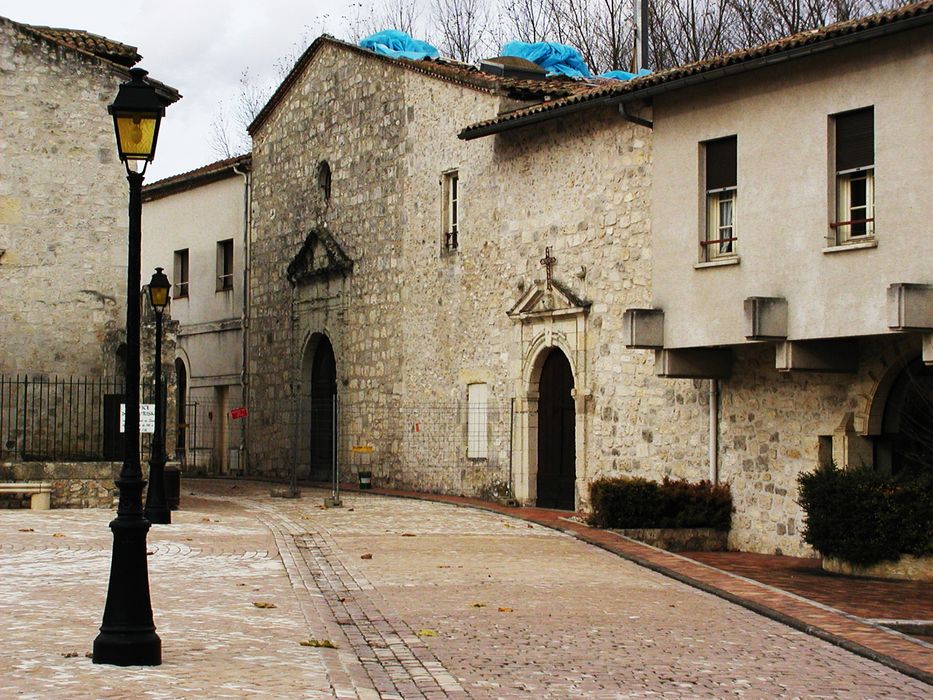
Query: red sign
[239, 413]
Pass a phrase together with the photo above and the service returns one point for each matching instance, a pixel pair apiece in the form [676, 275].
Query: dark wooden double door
[556, 434]
[323, 426]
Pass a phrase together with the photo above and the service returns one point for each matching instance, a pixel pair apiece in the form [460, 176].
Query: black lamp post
[127, 634]
[156, 509]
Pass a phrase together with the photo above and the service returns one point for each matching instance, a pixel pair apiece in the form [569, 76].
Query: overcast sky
[200, 47]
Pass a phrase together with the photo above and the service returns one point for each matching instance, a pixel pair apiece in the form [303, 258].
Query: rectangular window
[225, 265]
[181, 273]
[451, 210]
[476, 421]
[855, 176]
[719, 240]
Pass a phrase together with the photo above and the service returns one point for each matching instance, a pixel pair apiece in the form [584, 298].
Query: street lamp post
[156, 510]
[127, 634]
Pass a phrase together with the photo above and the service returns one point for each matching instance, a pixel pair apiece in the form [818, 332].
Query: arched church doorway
[323, 385]
[556, 434]
[905, 446]
[181, 409]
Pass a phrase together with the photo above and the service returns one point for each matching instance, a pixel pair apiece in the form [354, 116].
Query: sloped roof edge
[167, 93]
[787, 48]
[464, 75]
[206, 174]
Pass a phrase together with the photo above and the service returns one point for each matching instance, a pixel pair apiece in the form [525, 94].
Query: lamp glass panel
[158, 296]
[136, 134]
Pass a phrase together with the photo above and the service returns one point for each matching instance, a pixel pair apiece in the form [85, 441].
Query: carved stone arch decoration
[321, 257]
[871, 421]
[548, 318]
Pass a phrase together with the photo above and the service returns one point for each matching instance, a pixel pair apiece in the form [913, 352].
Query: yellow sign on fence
[364, 449]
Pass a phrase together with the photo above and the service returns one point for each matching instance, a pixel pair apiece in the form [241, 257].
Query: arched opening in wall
[905, 445]
[556, 434]
[318, 425]
[324, 178]
[181, 410]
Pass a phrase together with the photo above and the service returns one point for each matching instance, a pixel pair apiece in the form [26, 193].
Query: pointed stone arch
[317, 426]
[548, 320]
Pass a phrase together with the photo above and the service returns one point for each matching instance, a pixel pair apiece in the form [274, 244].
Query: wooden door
[556, 434]
[323, 391]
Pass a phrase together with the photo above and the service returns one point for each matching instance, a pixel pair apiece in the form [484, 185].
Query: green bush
[633, 502]
[863, 517]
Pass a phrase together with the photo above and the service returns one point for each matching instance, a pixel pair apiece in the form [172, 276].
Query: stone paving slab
[452, 603]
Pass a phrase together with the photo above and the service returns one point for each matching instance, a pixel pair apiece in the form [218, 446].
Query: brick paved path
[452, 602]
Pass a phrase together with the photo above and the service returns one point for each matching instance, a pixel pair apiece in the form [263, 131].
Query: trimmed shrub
[863, 517]
[633, 502]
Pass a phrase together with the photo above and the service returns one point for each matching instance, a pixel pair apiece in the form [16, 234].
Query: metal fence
[461, 447]
[208, 441]
[54, 418]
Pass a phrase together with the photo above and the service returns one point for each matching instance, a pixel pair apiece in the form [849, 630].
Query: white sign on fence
[146, 417]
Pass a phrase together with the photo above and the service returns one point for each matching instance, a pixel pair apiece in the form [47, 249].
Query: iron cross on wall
[548, 261]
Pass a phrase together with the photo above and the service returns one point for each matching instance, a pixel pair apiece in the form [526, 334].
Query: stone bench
[40, 492]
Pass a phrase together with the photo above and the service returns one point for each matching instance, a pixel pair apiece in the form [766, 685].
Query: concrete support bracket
[910, 307]
[694, 363]
[839, 356]
[765, 318]
[643, 328]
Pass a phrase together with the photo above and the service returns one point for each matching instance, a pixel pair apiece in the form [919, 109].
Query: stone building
[790, 248]
[463, 300]
[205, 257]
[63, 200]
[63, 231]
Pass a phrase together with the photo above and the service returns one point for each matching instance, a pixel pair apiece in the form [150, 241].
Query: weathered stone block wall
[770, 425]
[350, 112]
[63, 200]
[413, 324]
[74, 484]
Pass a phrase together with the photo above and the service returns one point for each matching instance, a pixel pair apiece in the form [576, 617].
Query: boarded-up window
[477, 414]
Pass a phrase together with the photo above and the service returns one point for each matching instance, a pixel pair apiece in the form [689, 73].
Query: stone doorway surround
[547, 317]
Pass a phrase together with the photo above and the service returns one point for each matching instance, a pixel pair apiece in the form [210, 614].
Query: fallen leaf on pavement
[26, 529]
[260, 604]
[349, 510]
[89, 655]
[322, 643]
[366, 556]
[408, 534]
[477, 605]
[443, 566]
[70, 654]
[506, 610]
[57, 534]
[205, 520]
[150, 552]
[427, 633]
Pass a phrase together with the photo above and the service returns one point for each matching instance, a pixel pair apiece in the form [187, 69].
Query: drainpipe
[244, 318]
[714, 431]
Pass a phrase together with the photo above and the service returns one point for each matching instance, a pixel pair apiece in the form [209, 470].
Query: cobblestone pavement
[422, 600]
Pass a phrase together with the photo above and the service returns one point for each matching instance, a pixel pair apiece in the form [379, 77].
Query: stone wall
[74, 484]
[413, 324]
[63, 200]
[771, 424]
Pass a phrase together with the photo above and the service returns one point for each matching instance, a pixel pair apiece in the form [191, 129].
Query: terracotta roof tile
[442, 69]
[101, 46]
[218, 170]
[908, 14]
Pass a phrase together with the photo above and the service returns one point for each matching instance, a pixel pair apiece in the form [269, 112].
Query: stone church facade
[416, 324]
[504, 314]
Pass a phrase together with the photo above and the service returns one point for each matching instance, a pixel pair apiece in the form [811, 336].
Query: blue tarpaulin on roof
[396, 44]
[624, 75]
[556, 59]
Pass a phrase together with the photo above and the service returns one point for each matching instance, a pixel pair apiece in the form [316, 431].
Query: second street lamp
[156, 509]
[127, 634]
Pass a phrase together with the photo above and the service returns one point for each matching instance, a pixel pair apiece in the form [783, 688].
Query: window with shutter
[721, 183]
[855, 176]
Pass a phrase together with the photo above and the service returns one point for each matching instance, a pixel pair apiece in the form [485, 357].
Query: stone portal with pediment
[548, 316]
